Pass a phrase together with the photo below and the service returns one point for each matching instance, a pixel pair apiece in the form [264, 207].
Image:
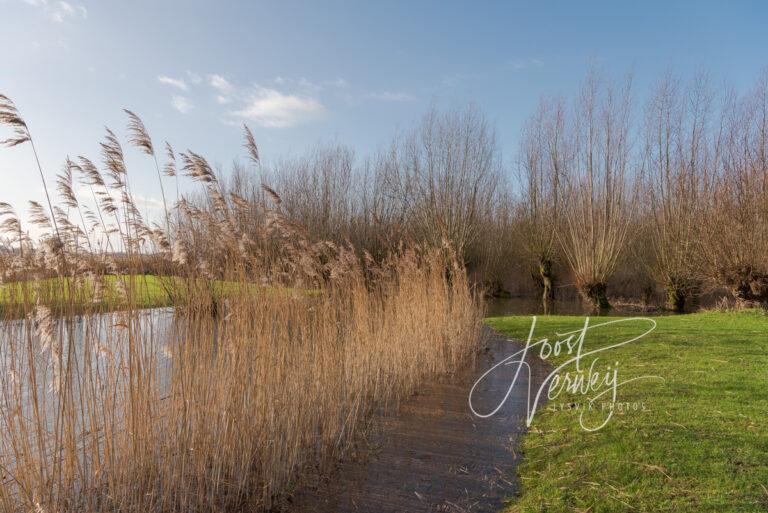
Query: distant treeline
[609, 195]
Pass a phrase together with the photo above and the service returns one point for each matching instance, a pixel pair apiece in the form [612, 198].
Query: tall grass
[279, 348]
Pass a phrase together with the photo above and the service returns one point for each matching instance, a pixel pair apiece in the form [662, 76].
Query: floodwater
[432, 453]
[533, 306]
[429, 454]
[107, 351]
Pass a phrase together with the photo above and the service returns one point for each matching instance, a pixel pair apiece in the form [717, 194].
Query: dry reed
[269, 367]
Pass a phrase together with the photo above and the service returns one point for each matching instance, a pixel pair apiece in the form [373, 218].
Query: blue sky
[303, 72]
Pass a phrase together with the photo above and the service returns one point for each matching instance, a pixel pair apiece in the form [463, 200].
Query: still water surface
[532, 306]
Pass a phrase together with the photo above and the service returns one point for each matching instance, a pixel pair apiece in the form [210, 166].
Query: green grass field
[700, 445]
[147, 291]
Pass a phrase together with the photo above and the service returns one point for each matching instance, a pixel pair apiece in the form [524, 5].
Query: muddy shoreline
[432, 453]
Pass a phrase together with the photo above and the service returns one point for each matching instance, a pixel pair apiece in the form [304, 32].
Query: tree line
[660, 193]
[670, 189]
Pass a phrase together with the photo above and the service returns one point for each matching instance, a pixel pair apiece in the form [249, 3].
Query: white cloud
[174, 82]
[391, 96]
[66, 7]
[307, 86]
[148, 202]
[521, 64]
[220, 83]
[60, 10]
[339, 82]
[274, 109]
[458, 79]
[224, 88]
[84, 194]
[181, 104]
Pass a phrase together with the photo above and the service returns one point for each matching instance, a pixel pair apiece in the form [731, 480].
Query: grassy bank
[110, 292]
[147, 291]
[700, 444]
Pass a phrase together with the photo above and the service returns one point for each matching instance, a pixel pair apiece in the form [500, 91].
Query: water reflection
[498, 307]
[91, 352]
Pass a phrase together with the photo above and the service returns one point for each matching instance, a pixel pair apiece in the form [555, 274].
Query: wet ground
[432, 453]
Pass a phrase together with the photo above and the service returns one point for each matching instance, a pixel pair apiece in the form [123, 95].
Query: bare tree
[442, 177]
[319, 189]
[598, 192]
[677, 168]
[544, 159]
[736, 237]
